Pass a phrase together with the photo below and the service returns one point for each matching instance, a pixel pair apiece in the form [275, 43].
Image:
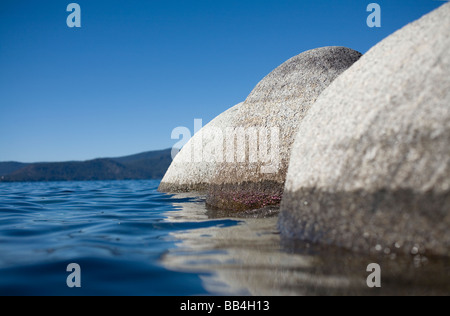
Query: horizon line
[85, 160]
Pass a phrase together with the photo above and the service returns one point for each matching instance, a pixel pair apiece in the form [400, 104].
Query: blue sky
[135, 70]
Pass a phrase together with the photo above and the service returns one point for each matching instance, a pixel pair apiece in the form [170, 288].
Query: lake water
[131, 240]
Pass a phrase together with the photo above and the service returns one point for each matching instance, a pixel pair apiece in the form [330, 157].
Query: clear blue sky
[135, 70]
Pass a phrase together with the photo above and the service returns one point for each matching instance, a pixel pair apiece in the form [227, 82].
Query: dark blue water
[129, 239]
[116, 231]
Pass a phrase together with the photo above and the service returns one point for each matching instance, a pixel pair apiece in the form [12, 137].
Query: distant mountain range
[148, 165]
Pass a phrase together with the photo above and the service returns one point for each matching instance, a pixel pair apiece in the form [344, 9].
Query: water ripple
[117, 231]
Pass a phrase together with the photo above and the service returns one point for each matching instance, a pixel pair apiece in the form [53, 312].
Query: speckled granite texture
[370, 168]
[279, 101]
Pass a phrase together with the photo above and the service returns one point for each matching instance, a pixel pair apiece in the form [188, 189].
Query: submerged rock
[370, 168]
[261, 132]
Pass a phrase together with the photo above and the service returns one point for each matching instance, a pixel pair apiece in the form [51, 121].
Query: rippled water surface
[131, 240]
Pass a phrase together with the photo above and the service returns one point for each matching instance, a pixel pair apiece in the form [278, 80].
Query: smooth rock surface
[370, 168]
[191, 171]
[253, 175]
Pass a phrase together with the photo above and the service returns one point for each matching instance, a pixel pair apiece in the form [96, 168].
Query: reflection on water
[250, 258]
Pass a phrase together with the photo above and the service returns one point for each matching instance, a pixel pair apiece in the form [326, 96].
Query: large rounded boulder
[370, 168]
[241, 157]
[259, 138]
